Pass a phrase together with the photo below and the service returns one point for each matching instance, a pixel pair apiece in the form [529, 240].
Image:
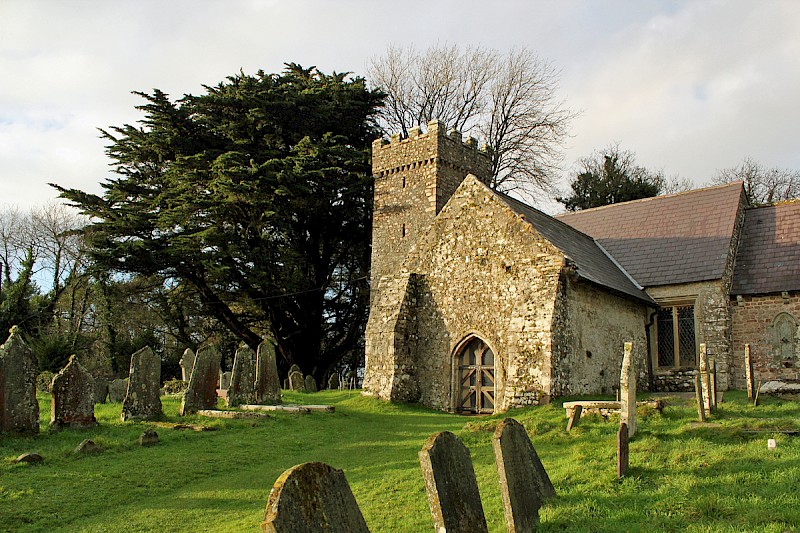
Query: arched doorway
[475, 377]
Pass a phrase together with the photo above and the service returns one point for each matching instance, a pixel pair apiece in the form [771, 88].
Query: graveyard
[215, 474]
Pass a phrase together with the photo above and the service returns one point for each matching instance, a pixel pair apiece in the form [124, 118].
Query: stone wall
[414, 178]
[754, 323]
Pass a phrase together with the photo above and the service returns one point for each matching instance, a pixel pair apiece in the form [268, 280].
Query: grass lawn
[683, 476]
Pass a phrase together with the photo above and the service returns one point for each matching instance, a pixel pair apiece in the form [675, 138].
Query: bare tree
[761, 184]
[508, 101]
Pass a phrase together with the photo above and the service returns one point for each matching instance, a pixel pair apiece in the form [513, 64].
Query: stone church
[481, 303]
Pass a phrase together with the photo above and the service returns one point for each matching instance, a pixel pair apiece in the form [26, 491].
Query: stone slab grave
[201, 393]
[450, 483]
[143, 398]
[291, 408]
[242, 389]
[268, 385]
[524, 483]
[117, 389]
[72, 406]
[187, 364]
[312, 497]
[603, 408]
[215, 413]
[19, 409]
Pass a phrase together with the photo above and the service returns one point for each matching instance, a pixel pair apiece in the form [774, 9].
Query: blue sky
[691, 87]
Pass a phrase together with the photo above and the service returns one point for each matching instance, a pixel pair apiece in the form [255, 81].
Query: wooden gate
[475, 378]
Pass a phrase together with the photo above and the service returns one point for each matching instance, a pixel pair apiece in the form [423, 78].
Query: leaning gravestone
[143, 401]
[187, 364]
[524, 483]
[310, 383]
[268, 386]
[73, 398]
[313, 497]
[117, 390]
[100, 389]
[225, 380]
[296, 381]
[201, 393]
[243, 378]
[19, 410]
[627, 390]
[450, 482]
[333, 382]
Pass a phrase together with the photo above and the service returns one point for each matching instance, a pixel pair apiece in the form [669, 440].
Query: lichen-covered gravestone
[296, 381]
[142, 401]
[117, 390]
[201, 393]
[187, 364]
[100, 389]
[310, 384]
[73, 398]
[243, 378]
[524, 483]
[450, 482]
[19, 410]
[313, 497]
[627, 390]
[268, 386]
[225, 380]
[333, 382]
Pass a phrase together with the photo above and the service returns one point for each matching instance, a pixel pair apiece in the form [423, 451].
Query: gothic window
[675, 337]
[784, 331]
[475, 378]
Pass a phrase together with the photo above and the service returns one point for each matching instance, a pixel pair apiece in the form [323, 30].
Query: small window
[675, 337]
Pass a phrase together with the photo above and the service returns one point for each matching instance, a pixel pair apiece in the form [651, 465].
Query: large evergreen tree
[256, 195]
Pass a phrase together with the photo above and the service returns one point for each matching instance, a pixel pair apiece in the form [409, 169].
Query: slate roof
[664, 240]
[768, 260]
[592, 263]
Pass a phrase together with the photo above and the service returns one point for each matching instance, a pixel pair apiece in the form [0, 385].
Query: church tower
[414, 179]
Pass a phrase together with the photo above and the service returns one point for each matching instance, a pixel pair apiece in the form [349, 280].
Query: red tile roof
[768, 260]
[678, 238]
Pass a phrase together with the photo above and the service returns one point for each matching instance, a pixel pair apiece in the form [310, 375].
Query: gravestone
[623, 452]
[712, 382]
[627, 390]
[243, 378]
[19, 409]
[705, 379]
[225, 380]
[310, 384]
[574, 417]
[296, 381]
[268, 386]
[73, 398]
[333, 382]
[187, 364]
[87, 447]
[749, 373]
[201, 393]
[100, 389]
[148, 438]
[294, 368]
[117, 390]
[698, 392]
[451, 486]
[312, 497]
[524, 483]
[143, 401]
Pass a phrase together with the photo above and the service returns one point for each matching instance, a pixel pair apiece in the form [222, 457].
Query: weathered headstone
[294, 368]
[143, 401]
[268, 386]
[698, 392]
[712, 379]
[148, 438]
[310, 384]
[100, 389]
[623, 450]
[313, 497]
[333, 382]
[574, 417]
[524, 482]
[117, 390]
[627, 390]
[87, 447]
[73, 398]
[187, 364]
[451, 486]
[243, 378]
[19, 410]
[201, 393]
[296, 381]
[705, 379]
[225, 380]
[30, 458]
[749, 373]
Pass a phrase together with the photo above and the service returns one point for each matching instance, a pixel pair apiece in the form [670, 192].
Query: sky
[690, 87]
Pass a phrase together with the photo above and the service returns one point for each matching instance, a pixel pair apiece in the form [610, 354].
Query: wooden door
[476, 378]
